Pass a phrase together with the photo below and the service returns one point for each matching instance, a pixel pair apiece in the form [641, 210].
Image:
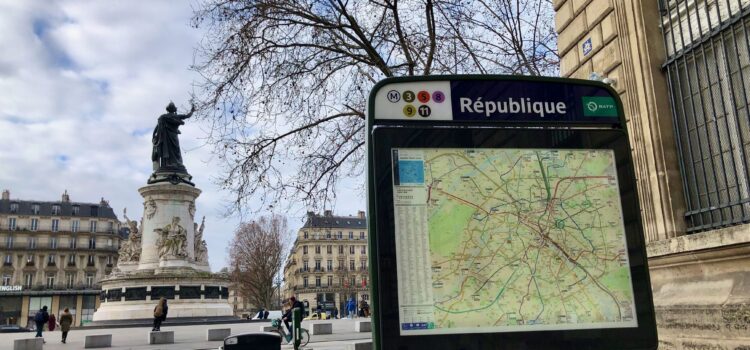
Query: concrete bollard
[98, 341]
[360, 345]
[362, 326]
[161, 337]
[28, 344]
[218, 333]
[267, 329]
[322, 328]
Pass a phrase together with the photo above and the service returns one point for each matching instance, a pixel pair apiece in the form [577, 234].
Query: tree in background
[257, 255]
[286, 81]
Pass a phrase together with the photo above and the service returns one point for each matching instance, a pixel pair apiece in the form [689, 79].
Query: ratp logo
[599, 106]
[592, 106]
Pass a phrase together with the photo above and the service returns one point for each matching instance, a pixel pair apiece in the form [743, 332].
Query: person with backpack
[287, 318]
[160, 314]
[66, 320]
[40, 319]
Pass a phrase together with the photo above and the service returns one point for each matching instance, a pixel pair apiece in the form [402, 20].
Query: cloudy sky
[81, 86]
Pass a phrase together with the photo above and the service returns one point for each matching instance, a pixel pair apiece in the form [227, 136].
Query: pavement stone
[190, 337]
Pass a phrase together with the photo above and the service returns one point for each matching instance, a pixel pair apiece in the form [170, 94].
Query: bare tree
[257, 255]
[286, 81]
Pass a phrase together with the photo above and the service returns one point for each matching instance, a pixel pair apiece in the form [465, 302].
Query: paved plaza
[188, 337]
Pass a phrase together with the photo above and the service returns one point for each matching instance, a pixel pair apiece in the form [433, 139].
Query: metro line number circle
[438, 96]
[408, 96]
[409, 110]
[423, 96]
[424, 111]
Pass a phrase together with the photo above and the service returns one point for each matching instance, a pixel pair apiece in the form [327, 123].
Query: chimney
[327, 213]
[6, 195]
[104, 203]
[65, 197]
[361, 214]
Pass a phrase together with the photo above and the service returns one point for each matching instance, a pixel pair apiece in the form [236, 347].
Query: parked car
[318, 316]
[272, 314]
[12, 328]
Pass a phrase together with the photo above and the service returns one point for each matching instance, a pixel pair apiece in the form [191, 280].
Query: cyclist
[288, 315]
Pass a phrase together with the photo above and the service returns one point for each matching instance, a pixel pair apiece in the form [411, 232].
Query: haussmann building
[682, 69]
[54, 254]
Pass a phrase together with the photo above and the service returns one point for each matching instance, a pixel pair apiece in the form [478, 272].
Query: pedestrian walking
[66, 320]
[40, 319]
[160, 314]
[52, 322]
[351, 308]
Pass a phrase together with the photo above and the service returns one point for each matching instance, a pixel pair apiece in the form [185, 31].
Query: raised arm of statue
[189, 114]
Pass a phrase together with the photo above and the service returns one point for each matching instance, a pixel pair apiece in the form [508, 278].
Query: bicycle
[280, 328]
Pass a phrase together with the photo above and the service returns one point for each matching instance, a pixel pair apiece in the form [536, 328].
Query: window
[70, 278]
[53, 242]
[90, 260]
[51, 259]
[30, 259]
[328, 234]
[340, 235]
[363, 265]
[317, 249]
[329, 249]
[76, 209]
[71, 260]
[89, 280]
[109, 260]
[111, 227]
[351, 249]
[50, 281]
[362, 235]
[11, 223]
[329, 265]
[92, 226]
[35, 209]
[354, 281]
[34, 224]
[317, 265]
[6, 280]
[94, 211]
[32, 242]
[365, 296]
[304, 234]
[92, 242]
[304, 282]
[9, 241]
[55, 209]
[304, 249]
[13, 208]
[317, 281]
[351, 235]
[341, 264]
[8, 259]
[74, 225]
[73, 243]
[28, 279]
[363, 250]
[304, 266]
[55, 225]
[109, 242]
[341, 249]
[330, 281]
[351, 265]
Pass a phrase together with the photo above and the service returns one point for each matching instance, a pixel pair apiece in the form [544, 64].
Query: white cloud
[83, 83]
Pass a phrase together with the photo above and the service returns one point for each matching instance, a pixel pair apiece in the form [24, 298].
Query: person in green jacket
[66, 320]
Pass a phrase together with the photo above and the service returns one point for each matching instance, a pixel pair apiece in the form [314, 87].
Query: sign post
[503, 214]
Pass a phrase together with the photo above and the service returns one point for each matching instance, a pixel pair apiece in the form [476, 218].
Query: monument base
[189, 293]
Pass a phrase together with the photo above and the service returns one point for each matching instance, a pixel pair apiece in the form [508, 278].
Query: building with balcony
[682, 70]
[54, 254]
[328, 262]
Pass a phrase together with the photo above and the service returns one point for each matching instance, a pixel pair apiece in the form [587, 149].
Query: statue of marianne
[166, 155]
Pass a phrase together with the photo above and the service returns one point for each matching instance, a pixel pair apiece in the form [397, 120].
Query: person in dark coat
[287, 318]
[66, 320]
[265, 315]
[40, 319]
[160, 314]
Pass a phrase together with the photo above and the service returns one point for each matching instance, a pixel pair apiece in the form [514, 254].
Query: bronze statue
[166, 155]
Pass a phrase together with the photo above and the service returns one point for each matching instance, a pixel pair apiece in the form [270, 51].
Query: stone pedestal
[167, 266]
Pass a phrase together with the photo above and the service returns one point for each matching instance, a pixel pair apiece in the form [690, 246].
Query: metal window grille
[708, 72]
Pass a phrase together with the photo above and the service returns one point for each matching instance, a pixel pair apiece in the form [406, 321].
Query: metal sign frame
[397, 129]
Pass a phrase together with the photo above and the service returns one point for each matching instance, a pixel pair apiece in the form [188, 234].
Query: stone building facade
[682, 70]
[54, 254]
[328, 262]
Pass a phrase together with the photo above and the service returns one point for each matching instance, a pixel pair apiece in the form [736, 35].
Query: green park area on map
[525, 237]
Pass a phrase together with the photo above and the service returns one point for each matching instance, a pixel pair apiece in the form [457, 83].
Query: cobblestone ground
[187, 337]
